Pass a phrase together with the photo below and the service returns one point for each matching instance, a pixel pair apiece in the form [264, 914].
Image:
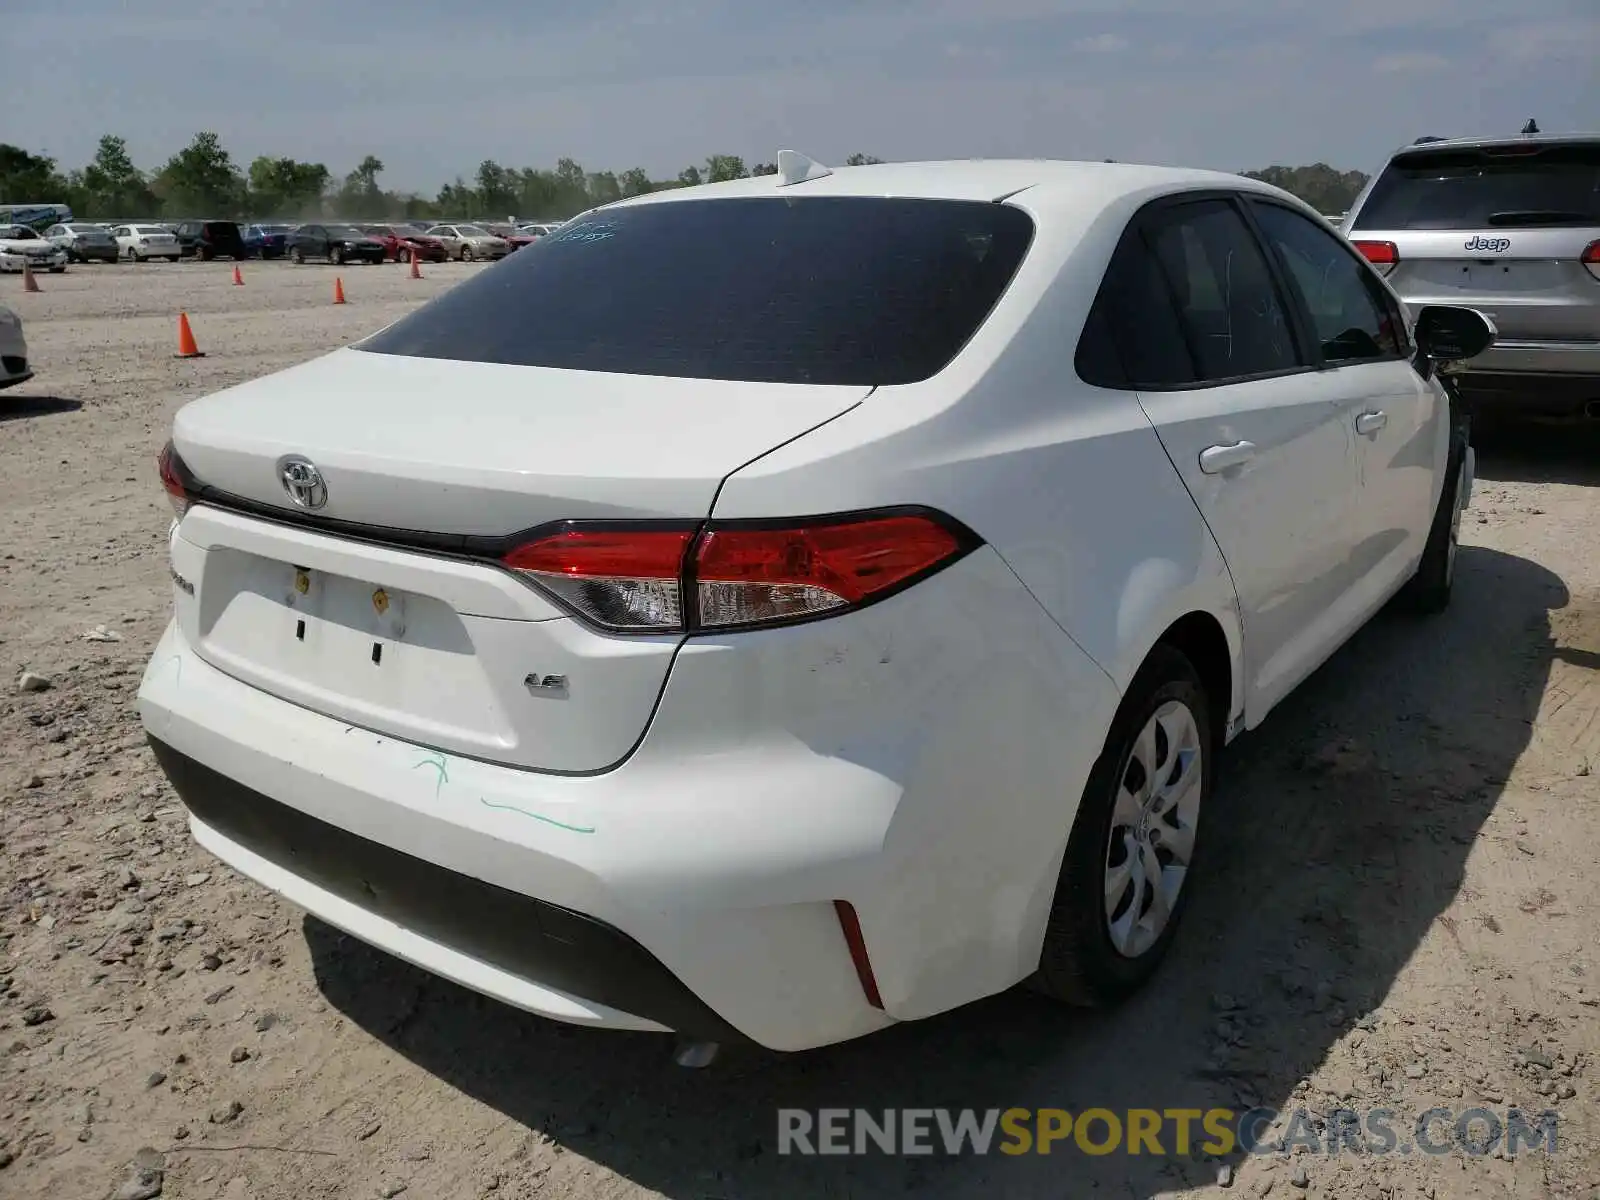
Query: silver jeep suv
[1511, 227]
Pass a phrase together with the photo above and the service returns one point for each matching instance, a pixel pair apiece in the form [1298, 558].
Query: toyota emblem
[303, 482]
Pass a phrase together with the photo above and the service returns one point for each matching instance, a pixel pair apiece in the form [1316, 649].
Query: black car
[207, 240]
[336, 243]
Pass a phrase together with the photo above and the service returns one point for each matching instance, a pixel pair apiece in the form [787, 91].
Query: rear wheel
[1123, 879]
[297, 256]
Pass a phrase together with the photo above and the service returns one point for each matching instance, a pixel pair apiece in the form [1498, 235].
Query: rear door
[1400, 421]
[1264, 444]
[1502, 228]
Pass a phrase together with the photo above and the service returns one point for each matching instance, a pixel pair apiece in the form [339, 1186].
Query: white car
[21, 246]
[141, 243]
[822, 598]
[13, 350]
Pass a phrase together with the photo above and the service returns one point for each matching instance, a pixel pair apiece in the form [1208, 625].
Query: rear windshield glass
[1514, 186]
[820, 290]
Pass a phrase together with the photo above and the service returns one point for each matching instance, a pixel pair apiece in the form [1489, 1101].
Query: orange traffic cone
[29, 283]
[338, 290]
[238, 279]
[186, 344]
[416, 266]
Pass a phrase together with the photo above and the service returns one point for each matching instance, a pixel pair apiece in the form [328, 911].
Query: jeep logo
[1487, 244]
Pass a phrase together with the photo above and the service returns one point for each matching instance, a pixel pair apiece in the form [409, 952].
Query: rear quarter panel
[1069, 483]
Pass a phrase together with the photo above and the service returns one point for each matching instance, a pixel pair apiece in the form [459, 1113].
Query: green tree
[361, 197]
[285, 187]
[635, 182]
[690, 177]
[538, 193]
[861, 160]
[764, 169]
[1327, 189]
[112, 186]
[497, 190]
[200, 180]
[457, 200]
[603, 187]
[722, 167]
[29, 178]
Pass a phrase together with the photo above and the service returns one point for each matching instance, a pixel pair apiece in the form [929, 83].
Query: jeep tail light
[736, 574]
[1382, 255]
[1591, 258]
[175, 479]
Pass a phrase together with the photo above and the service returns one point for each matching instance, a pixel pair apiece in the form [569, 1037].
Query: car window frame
[1301, 331]
[1377, 292]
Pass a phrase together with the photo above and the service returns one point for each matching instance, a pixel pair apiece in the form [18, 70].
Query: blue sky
[434, 88]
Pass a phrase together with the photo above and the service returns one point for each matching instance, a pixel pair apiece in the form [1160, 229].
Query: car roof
[1086, 187]
[1478, 143]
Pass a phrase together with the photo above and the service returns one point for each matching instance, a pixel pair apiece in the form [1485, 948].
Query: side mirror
[1445, 333]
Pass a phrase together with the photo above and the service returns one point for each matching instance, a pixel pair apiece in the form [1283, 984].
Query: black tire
[336, 255]
[1078, 964]
[297, 256]
[1428, 591]
[467, 254]
[402, 255]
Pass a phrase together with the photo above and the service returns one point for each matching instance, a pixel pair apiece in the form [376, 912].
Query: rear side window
[1230, 307]
[1513, 186]
[818, 290]
[1133, 337]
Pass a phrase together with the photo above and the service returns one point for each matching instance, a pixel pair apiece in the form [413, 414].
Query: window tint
[1134, 320]
[1225, 294]
[1512, 186]
[1337, 290]
[825, 290]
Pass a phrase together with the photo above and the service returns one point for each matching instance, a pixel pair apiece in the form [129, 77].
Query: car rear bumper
[889, 758]
[1528, 356]
[1535, 396]
[485, 937]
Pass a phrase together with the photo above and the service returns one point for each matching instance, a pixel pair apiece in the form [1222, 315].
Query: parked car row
[337, 242]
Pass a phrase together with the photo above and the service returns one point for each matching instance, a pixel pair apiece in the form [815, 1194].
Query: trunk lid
[455, 447]
[437, 649]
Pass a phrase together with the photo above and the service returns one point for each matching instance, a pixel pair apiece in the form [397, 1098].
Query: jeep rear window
[820, 290]
[1497, 187]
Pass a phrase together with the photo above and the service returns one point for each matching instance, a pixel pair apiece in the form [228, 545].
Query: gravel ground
[1399, 908]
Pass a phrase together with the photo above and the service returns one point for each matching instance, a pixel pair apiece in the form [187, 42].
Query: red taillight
[174, 479]
[747, 576]
[1383, 255]
[627, 579]
[1591, 258]
[736, 574]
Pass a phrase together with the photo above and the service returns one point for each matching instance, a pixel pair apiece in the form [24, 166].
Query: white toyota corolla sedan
[784, 608]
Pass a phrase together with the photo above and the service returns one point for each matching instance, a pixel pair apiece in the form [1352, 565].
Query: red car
[510, 233]
[403, 242]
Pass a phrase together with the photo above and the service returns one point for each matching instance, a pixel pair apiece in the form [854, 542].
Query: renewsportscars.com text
[1176, 1131]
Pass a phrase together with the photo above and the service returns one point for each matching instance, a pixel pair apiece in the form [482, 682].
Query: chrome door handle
[1215, 459]
[1371, 422]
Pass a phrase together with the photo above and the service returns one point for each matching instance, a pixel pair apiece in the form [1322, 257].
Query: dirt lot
[1399, 908]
